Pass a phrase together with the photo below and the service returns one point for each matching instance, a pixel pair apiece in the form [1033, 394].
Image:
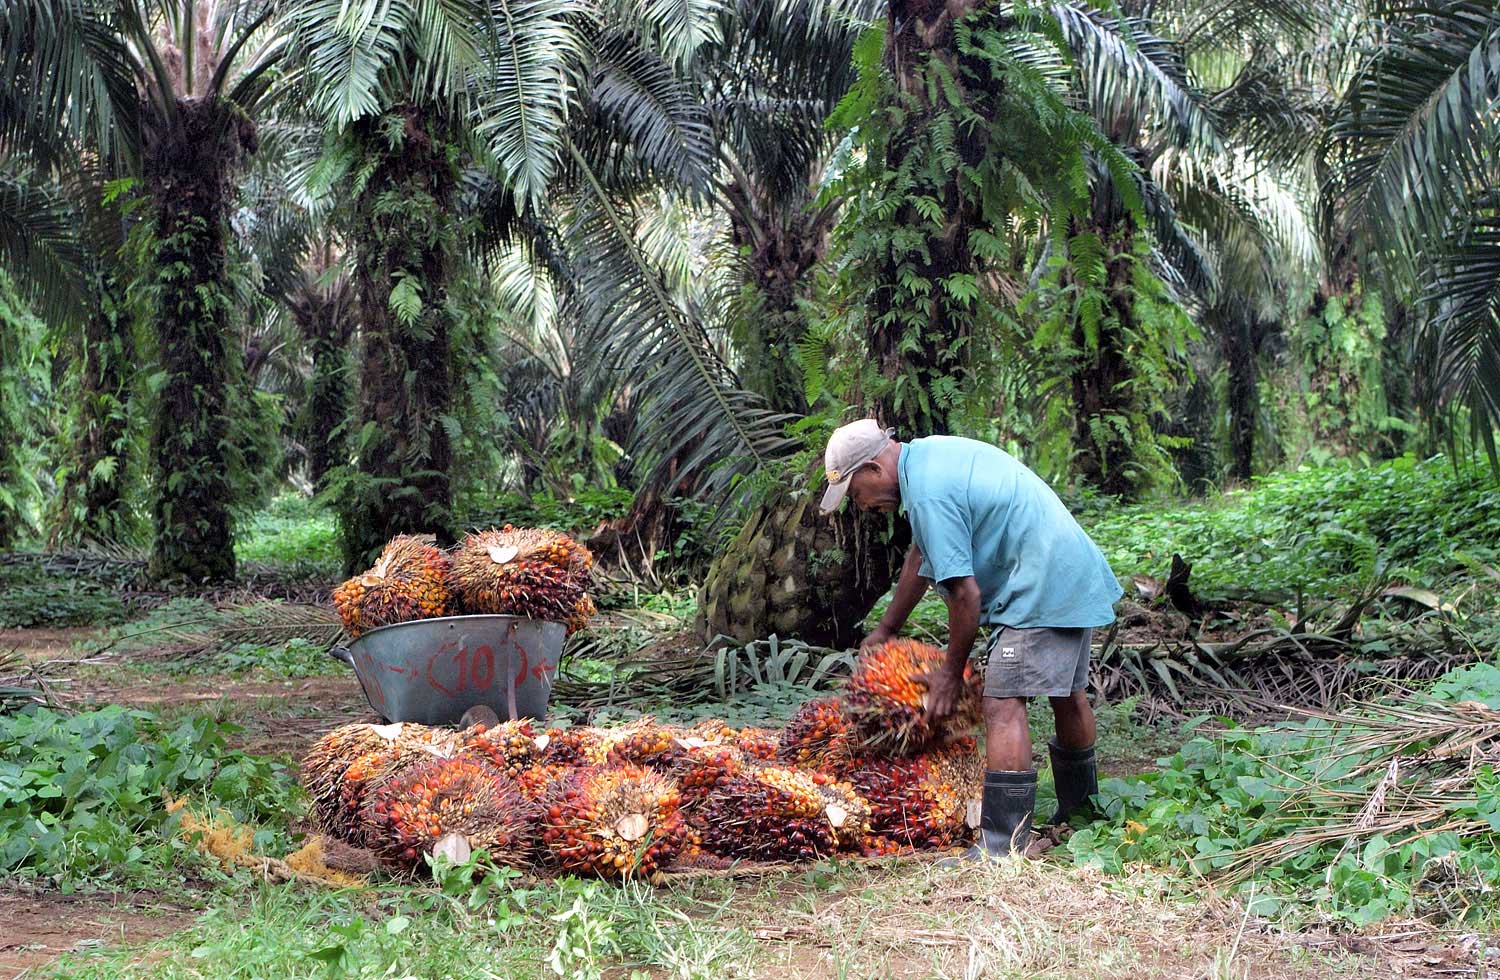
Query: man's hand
[943, 690]
[878, 637]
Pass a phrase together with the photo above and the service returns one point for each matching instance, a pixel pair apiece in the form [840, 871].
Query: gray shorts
[1037, 663]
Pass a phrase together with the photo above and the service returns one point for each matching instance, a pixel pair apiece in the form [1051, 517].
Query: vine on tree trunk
[405, 243]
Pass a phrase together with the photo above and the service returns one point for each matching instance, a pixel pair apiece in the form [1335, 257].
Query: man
[1002, 550]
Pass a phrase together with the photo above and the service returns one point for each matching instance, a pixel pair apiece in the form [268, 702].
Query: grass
[291, 531]
[845, 920]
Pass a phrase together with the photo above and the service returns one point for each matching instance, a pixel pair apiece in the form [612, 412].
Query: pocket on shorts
[1007, 653]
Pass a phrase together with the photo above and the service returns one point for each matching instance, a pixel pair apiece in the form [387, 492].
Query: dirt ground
[1038, 920]
[41, 926]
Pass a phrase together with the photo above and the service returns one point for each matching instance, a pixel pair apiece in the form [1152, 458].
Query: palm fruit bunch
[526, 572]
[758, 743]
[616, 822]
[816, 736]
[924, 800]
[411, 813]
[703, 767]
[644, 743]
[513, 747]
[579, 745]
[408, 582]
[770, 813]
[885, 700]
[410, 745]
[329, 758]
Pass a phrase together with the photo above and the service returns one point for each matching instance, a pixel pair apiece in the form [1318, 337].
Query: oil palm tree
[166, 92]
[1414, 182]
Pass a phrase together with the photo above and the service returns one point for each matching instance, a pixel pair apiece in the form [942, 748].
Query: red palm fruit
[579, 745]
[513, 747]
[411, 813]
[816, 736]
[536, 782]
[758, 743]
[644, 743]
[927, 800]
[885, 700]
[524, 572]
[324, 765]
[770, 813]
[615, 822]
[408, 582]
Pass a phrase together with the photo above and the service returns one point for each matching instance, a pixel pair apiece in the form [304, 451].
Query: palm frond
[524, 86]
[1460, 343]
[1417, 131]
[639, 112]
[39, 244]
[696, 426]
[68, 77]
[1135, 82]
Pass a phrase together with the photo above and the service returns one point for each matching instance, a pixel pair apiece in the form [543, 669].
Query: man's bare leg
[1075, 721]
[1007, 735]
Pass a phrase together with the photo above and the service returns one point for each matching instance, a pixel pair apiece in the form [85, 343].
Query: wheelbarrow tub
[433, 670]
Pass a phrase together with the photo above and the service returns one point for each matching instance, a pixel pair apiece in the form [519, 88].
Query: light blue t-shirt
[977, 510]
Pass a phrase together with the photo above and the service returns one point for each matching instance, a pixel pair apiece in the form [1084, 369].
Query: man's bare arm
[910, 588]
[943, 686]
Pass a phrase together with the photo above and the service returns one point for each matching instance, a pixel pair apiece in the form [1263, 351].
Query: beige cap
[850, 447]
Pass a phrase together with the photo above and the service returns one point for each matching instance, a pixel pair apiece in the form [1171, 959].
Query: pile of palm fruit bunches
[861, 772]
[536, 574]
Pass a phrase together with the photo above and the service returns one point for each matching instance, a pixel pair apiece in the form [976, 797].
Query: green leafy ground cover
[83, 797]
[1224, 793]
[1321, 529]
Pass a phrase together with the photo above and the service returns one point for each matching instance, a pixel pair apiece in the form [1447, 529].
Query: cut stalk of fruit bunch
[885, 700]
[526, 572]
[408, 582]
[413, 812]
[615, 822]
[927, 800]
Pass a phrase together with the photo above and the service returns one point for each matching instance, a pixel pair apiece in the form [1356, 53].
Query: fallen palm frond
[20, 683]
[1397, 772]
[1263, 669]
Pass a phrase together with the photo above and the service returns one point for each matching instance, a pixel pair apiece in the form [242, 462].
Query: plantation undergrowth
[1376, 815]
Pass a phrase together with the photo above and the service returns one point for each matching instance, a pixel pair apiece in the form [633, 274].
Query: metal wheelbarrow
[433, 670]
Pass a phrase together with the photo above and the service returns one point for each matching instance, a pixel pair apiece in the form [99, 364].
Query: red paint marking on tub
[433, 682]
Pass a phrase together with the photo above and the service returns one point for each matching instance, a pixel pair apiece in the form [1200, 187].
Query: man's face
[875, 487]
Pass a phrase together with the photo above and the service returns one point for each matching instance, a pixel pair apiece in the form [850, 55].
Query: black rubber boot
[1075, 773]
[1004, 817]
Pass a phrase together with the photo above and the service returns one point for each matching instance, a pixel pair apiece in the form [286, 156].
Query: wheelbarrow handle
[341, 653]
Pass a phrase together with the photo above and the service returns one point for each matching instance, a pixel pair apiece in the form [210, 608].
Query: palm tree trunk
[791, 571]
[95, 505]
[189, 165]
[1101, 390]
[324, 317]
[784, 241]
[404, 245]
[1237, 346]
